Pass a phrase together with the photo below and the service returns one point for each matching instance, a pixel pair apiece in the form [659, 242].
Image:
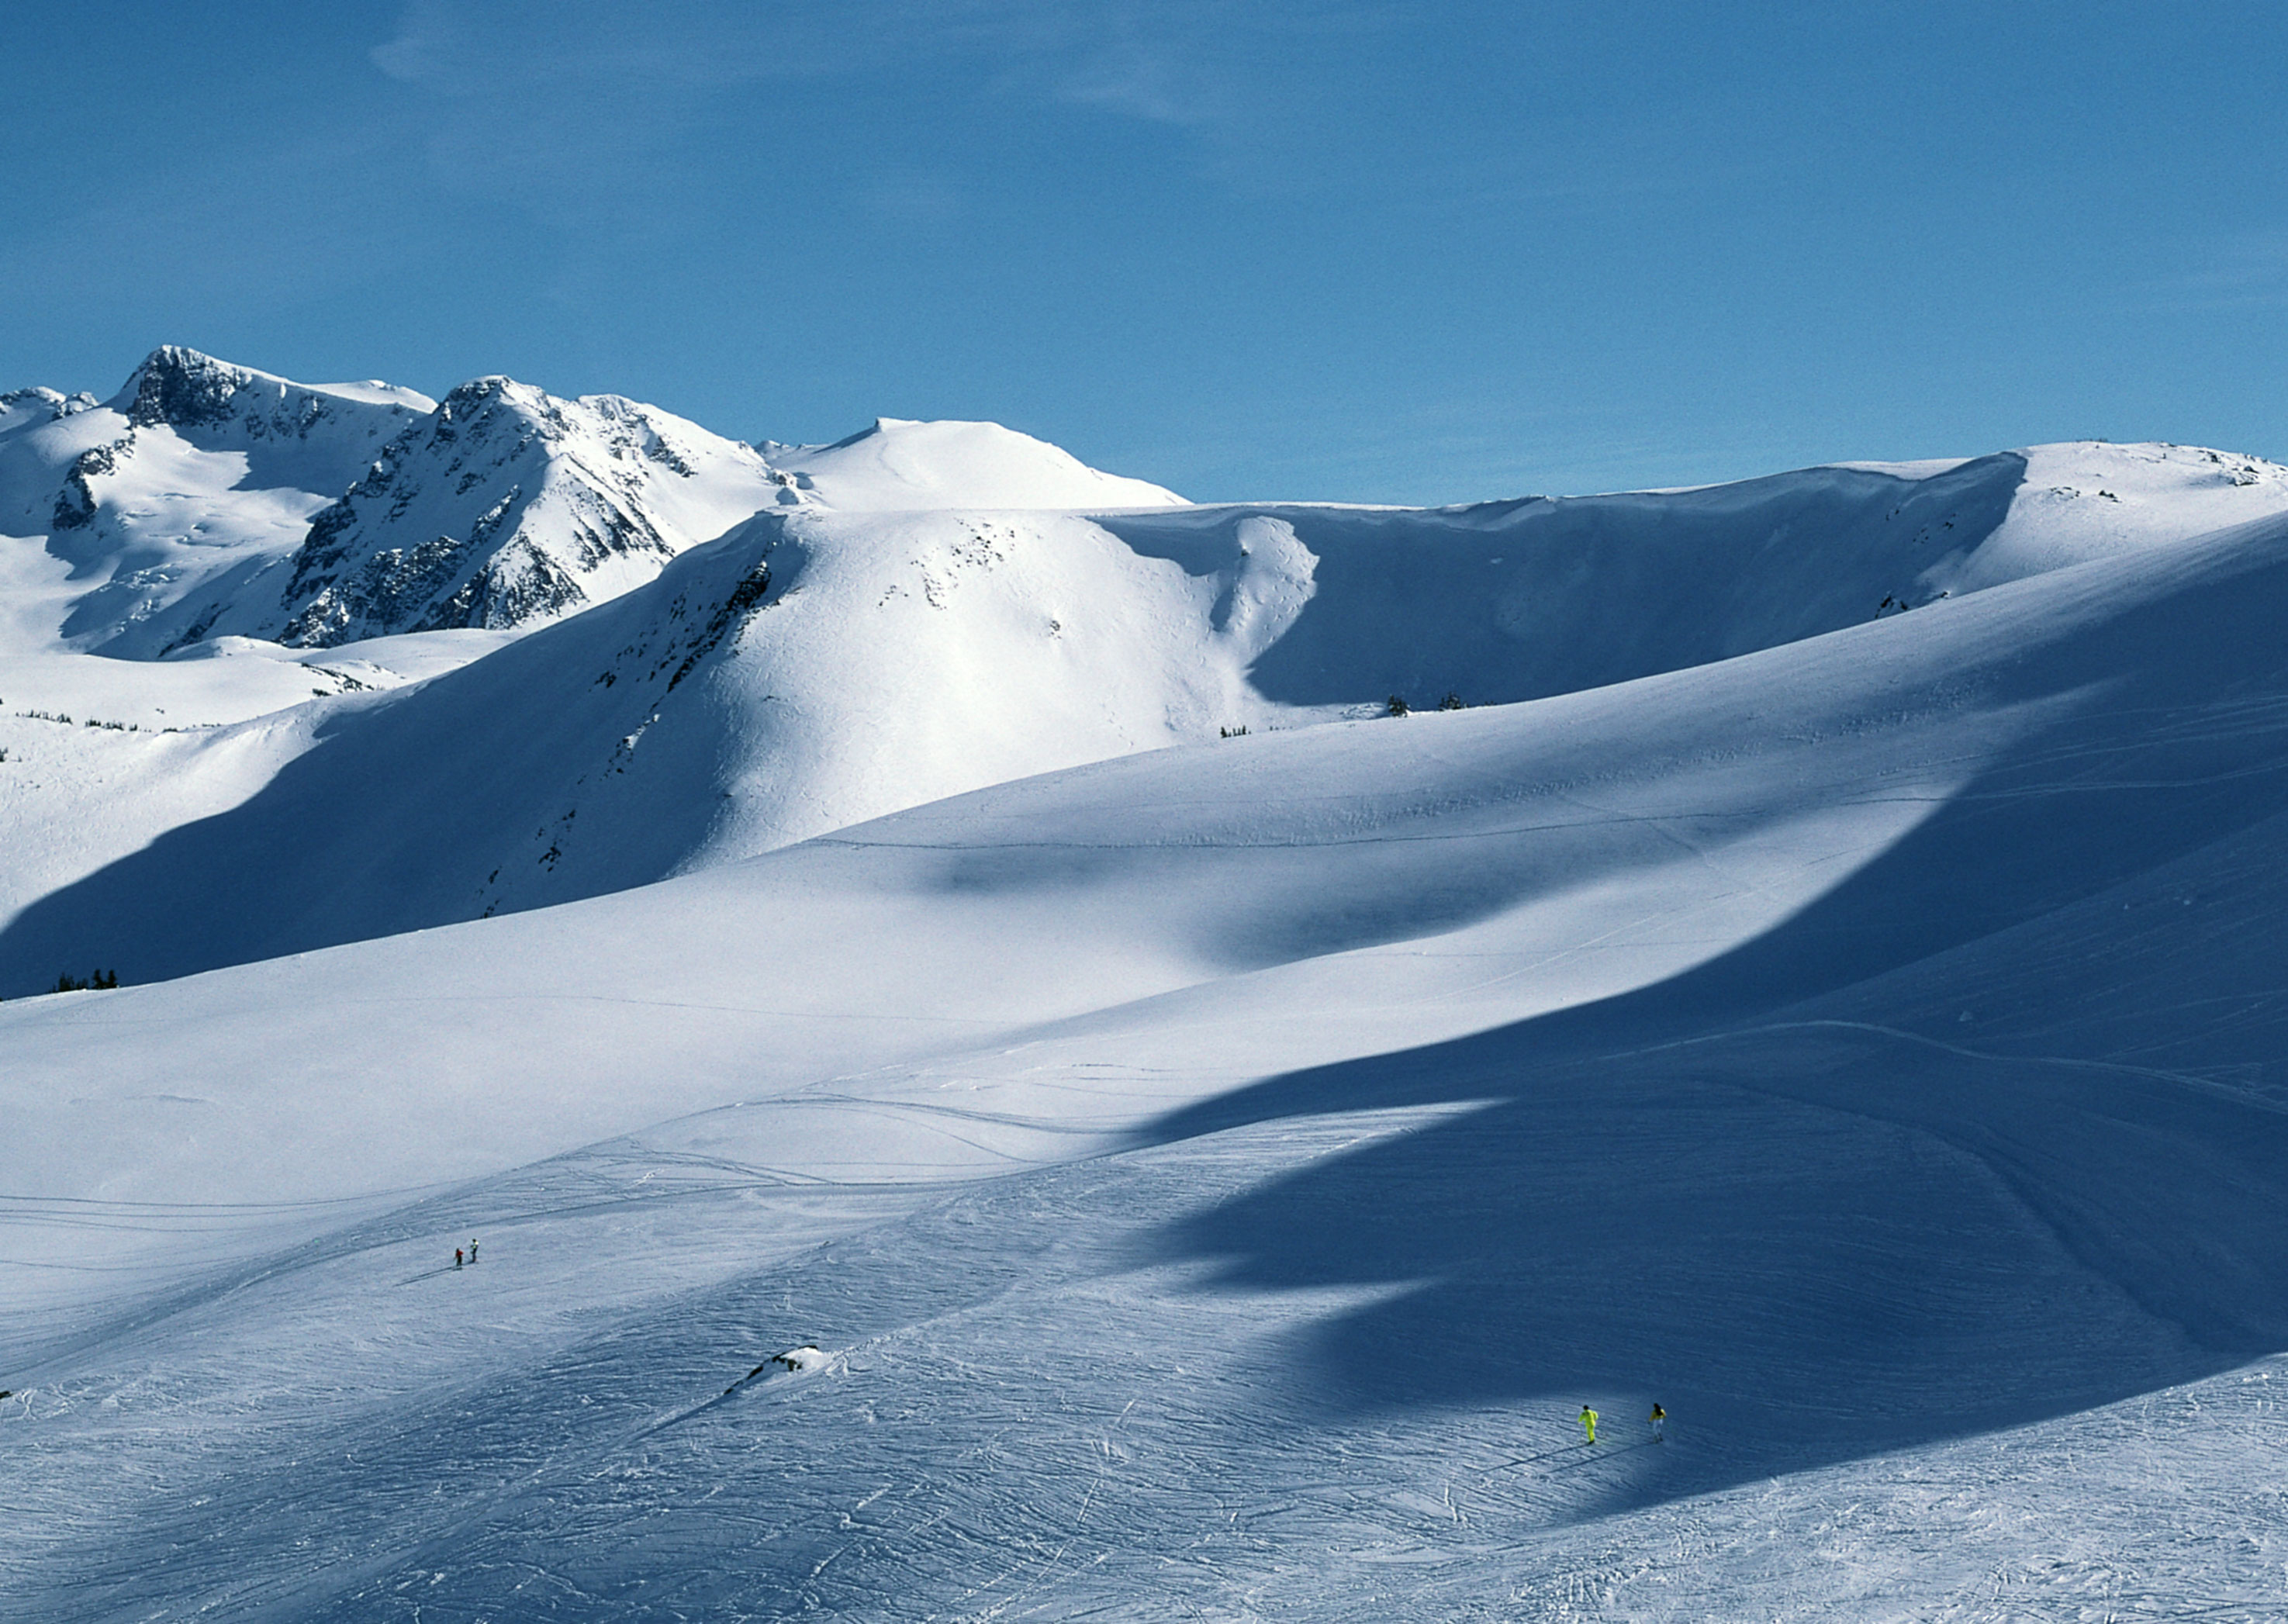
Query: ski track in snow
[1013, 1442]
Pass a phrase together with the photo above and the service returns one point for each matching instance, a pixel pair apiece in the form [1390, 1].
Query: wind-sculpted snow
[1512, 600]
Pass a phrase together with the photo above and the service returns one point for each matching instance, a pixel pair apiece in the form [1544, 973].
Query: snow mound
[900, 465]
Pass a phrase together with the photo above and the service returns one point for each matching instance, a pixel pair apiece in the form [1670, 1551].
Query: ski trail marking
[1528, 1460]
[1056, 1558]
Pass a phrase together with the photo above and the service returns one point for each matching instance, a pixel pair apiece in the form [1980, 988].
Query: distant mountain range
[206, 499]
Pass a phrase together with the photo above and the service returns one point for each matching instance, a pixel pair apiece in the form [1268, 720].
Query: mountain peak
[904, 464]
[182, 388]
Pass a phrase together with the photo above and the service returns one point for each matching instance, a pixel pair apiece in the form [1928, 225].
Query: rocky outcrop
[507, 506]
[182, 389]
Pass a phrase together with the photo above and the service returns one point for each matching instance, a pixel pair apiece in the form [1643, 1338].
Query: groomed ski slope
[1217, 1176]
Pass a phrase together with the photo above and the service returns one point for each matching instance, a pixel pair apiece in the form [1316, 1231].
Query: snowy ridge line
[515, 781]
[2206, 1085]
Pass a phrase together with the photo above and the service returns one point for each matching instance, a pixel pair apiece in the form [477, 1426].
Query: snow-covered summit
[900, 463]
[186, 388]
[503, 507]
[189, 479]
[208, 499]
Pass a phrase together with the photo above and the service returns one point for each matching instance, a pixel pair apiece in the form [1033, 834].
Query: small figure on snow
[1589, 1422]
[473, 1248]
[456, 1258]
[1659, 1420]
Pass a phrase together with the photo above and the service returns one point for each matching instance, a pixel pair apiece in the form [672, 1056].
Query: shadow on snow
[1983, 1137]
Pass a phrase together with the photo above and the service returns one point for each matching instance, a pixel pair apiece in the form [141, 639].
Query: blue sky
[1368, 251]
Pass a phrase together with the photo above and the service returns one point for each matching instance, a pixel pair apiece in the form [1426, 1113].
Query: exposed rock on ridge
[507, 506]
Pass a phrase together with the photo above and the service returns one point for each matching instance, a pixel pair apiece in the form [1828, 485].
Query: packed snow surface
[942, 1123]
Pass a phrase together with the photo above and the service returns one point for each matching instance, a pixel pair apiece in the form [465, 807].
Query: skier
[1659, 1420]
[473, 1248]
[1589, 1422]
[456, 1258]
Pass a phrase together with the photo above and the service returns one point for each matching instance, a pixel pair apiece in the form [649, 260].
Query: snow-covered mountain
[208, 499]
[997, 1074]
[503, 508]
[817, 668]
[194, 477]
[1214, 1180]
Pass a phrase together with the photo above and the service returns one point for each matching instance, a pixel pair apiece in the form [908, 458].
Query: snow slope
[814, 669]
[1217, 1176]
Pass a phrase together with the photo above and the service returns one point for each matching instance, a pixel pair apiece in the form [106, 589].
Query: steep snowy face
[898, 464]
[207, 499]
[504, 507]
[190, 479]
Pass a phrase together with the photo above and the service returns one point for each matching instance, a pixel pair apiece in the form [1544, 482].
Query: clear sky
[1404, 252]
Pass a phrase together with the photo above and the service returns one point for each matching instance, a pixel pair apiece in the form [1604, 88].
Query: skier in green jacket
[1589, 1422]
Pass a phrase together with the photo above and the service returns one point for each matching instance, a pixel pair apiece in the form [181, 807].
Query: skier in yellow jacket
[1589, 1422]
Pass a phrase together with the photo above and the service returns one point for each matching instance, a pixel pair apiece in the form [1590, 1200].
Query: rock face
[507, 506]
[184, 389]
